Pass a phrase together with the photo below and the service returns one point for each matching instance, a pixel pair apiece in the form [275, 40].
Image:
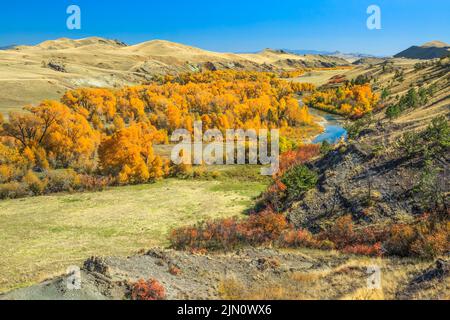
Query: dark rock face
[57, 66]
[354, 180]
[209, 66]
[441, 269]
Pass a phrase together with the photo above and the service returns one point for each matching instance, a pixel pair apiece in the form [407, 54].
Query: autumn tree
[92, 102]
[128, 155]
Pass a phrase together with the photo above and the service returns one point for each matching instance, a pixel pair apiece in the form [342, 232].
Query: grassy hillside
[29, 74]
[40, 237]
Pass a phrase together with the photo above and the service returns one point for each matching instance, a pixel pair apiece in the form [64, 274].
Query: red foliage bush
[230, 233]
[424, 238]
[149, 290]
[174, 270]
[428, 237]
[264, 227]
[374, 250]
[400, 238]
[296, 157]
[341, 233]
[275, 195]
[303, 239]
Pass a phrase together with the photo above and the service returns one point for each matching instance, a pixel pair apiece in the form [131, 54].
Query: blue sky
[234, 26]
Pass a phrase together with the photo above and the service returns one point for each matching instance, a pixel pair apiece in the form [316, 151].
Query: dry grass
[344, 281]
[40, 237]
[319, 78]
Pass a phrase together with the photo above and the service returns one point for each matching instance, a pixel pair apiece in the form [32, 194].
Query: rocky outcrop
[372, 185]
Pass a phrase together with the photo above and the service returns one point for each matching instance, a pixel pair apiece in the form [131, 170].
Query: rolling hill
[29, 74]
[429, 50]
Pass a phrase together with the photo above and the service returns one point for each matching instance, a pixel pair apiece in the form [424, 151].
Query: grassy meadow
[41, 236]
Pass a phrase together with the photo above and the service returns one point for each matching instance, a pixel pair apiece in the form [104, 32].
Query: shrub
[175, 271]
[410, 143]
[374, 250]
[298, 180]
[13, 190]
[274, 197]
[393, 111]
[35, 185]
[218, 234]
[400, 239]
[149, 290]
[303, 239]
[62, 180]
[264, 227]
[325, 147]
[426, 238]
[432, 237]
[94, 183]
[438, 136]
[355, 128]
[346, 237]
[431, 245]
[341, 233]
[227, 234]
[296, 157]
[432, 143]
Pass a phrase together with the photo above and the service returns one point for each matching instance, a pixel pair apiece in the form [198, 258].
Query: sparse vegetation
[149, 290]
[355, 128]
[413, 99]
[431, 143]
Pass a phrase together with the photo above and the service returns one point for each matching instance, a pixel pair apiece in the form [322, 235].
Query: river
[334, 129]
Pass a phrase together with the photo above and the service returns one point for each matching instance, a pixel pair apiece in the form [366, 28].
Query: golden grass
[319, 77]
[40, 237]
[344, 281]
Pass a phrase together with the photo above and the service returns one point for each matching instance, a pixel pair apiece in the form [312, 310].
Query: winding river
[334, 126]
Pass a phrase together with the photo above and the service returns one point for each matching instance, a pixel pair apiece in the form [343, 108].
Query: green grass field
[40, 237]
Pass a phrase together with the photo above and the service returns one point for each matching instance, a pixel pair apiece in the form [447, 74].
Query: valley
[363, 177]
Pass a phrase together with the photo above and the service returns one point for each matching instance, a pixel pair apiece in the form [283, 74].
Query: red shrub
[175, 271]
[296, 157]
[374, 250]
[275, 195]
[148, 290]
[227, 234]
[341, 232]
[264, 227]
[400, 238]
[303, 239]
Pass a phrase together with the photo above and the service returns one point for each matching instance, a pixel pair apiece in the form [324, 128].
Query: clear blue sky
[234, 25]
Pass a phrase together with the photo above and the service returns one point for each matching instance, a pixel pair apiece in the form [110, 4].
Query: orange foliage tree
[349, 100]
[128, 155]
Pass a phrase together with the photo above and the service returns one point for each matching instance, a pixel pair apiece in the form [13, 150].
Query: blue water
[334, 130]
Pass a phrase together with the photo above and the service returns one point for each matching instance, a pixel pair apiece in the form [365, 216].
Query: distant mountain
[313, 52]
[350, 57]
[7, 47]
[429, 50]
